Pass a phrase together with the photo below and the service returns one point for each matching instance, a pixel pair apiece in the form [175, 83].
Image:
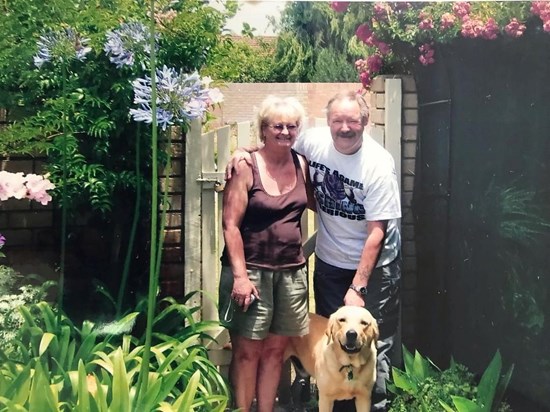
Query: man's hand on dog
[353, 298]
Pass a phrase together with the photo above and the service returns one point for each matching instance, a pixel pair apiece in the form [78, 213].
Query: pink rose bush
[21, 186]
[420, 26]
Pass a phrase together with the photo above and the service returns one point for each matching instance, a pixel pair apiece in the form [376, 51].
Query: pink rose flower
[365, 34]
[402, 5]
[490, 30]
[426, 23]
[366, 79]
[514, 28]
[12, 185]
[374, 63]
[426, 54]
[541, 9]
[31, 186]
[384, 48]
[339, 6]
[381, 11]
[37, 186]
[461, 8]
[472, 28]
[447, 21]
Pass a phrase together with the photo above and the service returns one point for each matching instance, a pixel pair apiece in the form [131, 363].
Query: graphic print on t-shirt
[336, 194]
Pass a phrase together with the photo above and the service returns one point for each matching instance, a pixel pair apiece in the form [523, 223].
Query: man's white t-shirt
[350, 191]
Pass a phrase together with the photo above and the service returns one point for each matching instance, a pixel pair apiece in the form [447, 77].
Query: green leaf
[48, 316]
[41, 397]
[488, 383]
[19, 390]
[83, 394]
[45, 342]
[64, 346]
[446, 407]
[184, 402]
[501, 388]
[120, 388]
[404, 382]
[11, 405]
[408, 360]
[466, 405]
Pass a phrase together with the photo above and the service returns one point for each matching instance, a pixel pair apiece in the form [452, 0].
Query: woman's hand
[243, 290]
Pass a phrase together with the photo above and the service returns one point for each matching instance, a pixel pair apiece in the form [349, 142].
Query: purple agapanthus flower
[128, 43]
[62, 45]
[2, 241]
[181, 97]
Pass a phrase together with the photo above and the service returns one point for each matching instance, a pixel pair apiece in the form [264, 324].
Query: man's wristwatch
[362, 290]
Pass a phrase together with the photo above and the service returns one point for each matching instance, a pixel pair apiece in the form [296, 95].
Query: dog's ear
[330, 327]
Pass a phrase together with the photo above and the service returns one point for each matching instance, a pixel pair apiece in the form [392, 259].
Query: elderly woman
[263, 283]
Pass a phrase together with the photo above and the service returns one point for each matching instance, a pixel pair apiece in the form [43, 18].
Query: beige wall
[241, 99]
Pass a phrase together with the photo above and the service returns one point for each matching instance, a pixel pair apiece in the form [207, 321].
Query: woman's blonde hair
[273, 106]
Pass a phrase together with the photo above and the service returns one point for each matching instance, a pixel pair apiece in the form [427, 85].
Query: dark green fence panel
[483, 207]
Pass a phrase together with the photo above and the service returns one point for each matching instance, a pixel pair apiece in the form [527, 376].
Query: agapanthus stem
[61, 284]
[153, 274]
[135, 221]
[167, 169]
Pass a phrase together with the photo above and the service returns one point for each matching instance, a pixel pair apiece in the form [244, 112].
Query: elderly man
[357, 253]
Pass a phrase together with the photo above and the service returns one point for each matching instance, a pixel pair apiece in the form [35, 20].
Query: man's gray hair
[352, 97]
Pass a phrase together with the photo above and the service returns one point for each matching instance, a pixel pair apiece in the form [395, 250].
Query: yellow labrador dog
[340, 353]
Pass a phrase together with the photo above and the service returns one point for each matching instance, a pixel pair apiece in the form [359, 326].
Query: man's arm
[240, 154]
[367, 263]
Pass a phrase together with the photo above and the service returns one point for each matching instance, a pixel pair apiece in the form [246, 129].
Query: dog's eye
[342, 320]
[365, 323]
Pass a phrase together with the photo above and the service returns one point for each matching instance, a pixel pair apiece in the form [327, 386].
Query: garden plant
[396, 36]
[93, 78]
[422, 386]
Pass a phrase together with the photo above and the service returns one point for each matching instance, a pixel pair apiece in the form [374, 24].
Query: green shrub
[13, 295]
[423, 387]
[58, 366]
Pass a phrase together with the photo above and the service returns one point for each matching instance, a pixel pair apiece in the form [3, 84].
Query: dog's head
[353, 328]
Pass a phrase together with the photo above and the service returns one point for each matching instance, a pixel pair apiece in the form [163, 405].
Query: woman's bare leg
[243, 370]
[269, 371]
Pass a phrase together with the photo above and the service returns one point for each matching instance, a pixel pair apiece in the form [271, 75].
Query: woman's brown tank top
[270, 229]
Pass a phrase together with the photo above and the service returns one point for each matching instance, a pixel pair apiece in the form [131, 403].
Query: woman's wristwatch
[362, 290]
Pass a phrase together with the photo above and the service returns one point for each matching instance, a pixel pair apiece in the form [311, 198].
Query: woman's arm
[235, 202]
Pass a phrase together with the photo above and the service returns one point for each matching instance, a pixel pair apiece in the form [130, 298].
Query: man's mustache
[347, 134]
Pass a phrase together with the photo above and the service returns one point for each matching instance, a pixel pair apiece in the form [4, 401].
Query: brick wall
[240, 99]
[408, 155]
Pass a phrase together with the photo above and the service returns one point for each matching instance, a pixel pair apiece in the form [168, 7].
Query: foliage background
[102, 178]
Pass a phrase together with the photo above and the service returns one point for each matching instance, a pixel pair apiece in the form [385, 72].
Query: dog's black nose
[351, 336]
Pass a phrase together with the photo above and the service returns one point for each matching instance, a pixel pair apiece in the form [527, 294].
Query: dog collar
[350, 371]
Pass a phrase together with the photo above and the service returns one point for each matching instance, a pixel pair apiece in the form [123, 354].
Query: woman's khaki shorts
[282, 308]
